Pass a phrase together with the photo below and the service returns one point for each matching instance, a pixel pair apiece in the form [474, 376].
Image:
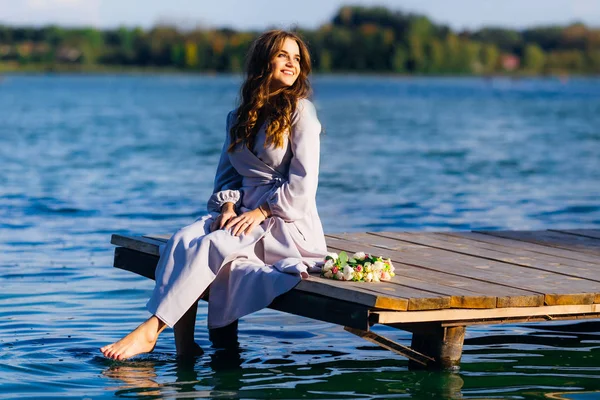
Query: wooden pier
[444, 282]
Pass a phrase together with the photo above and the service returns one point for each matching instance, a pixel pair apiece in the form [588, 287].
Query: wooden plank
[378, 296]
[390, 317]
[141, 244]
[519, 250]
[388, 344]
[557, 287]
[163, 237]
[464, 291]
[372, 297]
[517, 244]
[387, 294]
[590, 233]
[523, 258]
[552, 239]
[143, 264]
[508, 320]
[322, 309]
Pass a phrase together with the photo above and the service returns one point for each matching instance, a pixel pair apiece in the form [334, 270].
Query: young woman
[262, 233]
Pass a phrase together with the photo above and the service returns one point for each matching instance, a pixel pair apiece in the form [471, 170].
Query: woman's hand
[227, 213]
[246, 222]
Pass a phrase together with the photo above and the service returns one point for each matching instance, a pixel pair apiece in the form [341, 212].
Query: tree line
[357, 39]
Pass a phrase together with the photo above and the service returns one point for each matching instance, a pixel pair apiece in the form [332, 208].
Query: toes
[107, 352]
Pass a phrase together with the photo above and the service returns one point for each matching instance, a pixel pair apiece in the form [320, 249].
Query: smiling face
[285, 66]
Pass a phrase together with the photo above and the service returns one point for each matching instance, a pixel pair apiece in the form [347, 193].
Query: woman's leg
[225, 337]
[141, 340]
[184, 334]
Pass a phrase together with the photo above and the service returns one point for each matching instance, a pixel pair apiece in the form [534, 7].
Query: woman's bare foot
[141, 340]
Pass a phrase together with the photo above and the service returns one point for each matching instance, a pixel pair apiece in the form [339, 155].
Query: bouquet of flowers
[360, 267]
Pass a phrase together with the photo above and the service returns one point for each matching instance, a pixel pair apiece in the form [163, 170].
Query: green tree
[470, 55]
[191, 55]
[416, 55]
[534, 58]
[435, 54]
[593, 61]
[178, 55]
[453, 53]
[399, 59]
[325, 61]
[489, 57]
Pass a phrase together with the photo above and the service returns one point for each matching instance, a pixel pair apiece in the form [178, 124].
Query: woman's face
[286, 65]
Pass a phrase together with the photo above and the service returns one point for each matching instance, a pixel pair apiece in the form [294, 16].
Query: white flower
[378, 266]
[328, 265]
[348, 273]
[359, 256]
[339, 276]
[376, 277]
[369, 277]
[332, 255]
[385, 276]
[328, 274]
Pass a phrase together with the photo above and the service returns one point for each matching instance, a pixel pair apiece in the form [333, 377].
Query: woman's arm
[227, 180]
[292, 200]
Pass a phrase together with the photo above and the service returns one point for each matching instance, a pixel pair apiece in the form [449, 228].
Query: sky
[261, 14]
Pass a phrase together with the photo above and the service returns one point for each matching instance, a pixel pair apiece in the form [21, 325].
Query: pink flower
[358, 268]
[335, 270]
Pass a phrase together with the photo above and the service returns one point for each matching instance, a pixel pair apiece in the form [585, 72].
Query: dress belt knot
[262, 180]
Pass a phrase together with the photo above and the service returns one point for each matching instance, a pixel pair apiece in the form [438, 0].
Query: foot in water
[141, 340]
[190, 352]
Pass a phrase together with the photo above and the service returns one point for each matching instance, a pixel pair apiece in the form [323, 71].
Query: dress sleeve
[293, 199]
[227, 180]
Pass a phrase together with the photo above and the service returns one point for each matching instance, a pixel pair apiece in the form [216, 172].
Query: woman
[263, 231]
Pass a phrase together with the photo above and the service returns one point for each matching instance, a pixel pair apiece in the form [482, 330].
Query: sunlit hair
[257, 104]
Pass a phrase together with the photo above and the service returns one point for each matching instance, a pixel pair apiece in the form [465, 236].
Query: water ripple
[111, 154]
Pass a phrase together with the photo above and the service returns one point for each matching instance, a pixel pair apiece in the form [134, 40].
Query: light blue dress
[247, 272]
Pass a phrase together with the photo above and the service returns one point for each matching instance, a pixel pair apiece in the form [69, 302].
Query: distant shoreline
[125, 70]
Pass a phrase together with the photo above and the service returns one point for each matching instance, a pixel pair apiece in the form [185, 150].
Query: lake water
[83, 157]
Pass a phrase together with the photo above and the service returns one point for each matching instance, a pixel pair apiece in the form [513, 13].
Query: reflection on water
[141, 378]
[84, 157]
[520, 361]
[573, 395]
[138, 377]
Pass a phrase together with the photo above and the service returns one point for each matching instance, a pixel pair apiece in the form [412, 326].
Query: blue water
[82, 157]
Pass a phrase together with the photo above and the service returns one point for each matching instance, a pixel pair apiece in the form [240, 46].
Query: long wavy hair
[257, 104]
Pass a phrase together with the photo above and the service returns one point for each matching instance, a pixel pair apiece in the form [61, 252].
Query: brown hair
[257, 104]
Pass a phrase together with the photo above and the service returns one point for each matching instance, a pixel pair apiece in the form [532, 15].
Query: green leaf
[342, 258]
